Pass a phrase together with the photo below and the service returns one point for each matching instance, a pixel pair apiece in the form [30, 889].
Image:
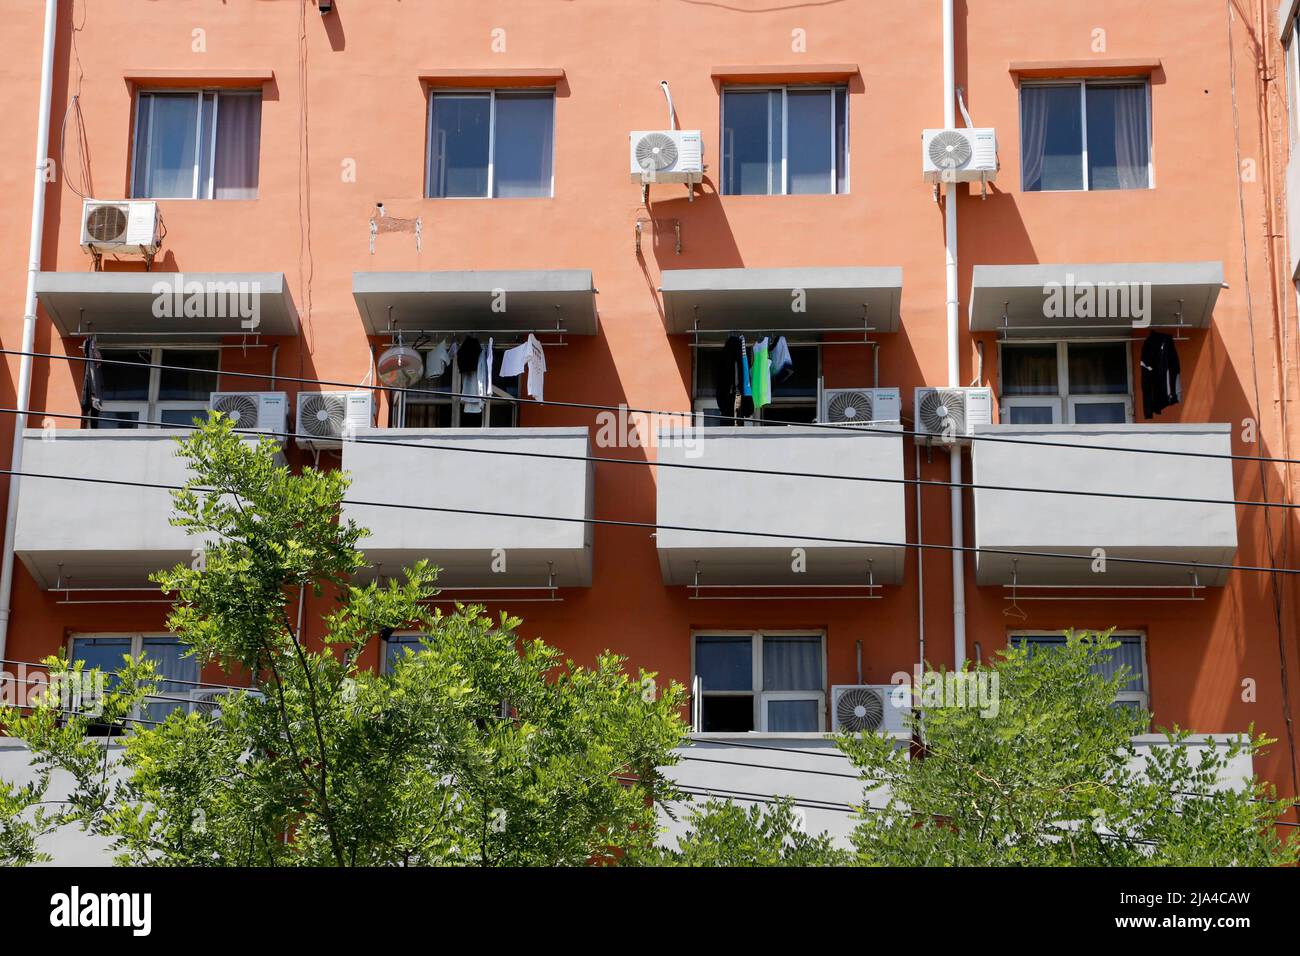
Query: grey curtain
[792, 663]
[239, 135]
[1131, 147]
[1033, 134]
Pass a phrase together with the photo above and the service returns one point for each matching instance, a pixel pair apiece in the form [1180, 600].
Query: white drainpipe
[29, 319]
[954, 371]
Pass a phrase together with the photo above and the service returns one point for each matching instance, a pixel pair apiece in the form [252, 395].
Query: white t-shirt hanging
[531, 356]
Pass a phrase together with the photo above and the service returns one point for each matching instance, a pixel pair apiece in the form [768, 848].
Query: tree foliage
[1053, 777]
[481, 749]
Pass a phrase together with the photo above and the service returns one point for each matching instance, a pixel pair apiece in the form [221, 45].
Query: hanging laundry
[729, 373]
[782, 364]
[528, 356]
[437, 359]
[476, 384]
[746, 388]
[1162, 384]
[467, 355]
[761, 375]
[92, 382]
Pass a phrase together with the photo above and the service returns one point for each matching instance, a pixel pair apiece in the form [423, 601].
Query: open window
[142, 395]
[785, 140]
[774, 682]
[1085, 134]
[794, 390]
[1074, 383]
[197, 144]
[436, 401]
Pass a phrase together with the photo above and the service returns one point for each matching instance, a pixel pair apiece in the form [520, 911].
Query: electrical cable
[729, 469]
[662, 413]
[656, 526]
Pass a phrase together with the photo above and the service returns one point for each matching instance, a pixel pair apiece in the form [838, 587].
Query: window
[396, 645]
[172, 396]
[443, 408]
[178, 673]
[794, 391]
[1076, 383]
[200, 144]
[1093, 135]
[788, 140]
[491, 143]
[1131, 653]
[772, 682]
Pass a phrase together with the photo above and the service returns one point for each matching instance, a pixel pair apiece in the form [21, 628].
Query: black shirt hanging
[1161, 374]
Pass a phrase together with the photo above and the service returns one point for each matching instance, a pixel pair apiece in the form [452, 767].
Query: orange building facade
[422, 173]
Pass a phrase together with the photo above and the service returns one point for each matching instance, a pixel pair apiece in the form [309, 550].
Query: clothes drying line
[698, 590]
[395, 331]
[793, 336]
[1191, 591]
[1007, 331]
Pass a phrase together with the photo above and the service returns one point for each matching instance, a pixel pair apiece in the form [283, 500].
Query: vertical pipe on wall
[23, 396]
[954, 371]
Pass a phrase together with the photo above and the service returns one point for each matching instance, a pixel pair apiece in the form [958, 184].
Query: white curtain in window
[1131, 162]
[792, 663]
[1128, 654]
[1033, 135]
[239, 133]
[178, 674]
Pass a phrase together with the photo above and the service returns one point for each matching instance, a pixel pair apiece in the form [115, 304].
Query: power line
[660, 413]
[642, 462]
[655, 526]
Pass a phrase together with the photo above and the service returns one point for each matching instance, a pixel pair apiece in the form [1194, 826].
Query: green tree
[482, 749]
[721, 833]
[1050, 776]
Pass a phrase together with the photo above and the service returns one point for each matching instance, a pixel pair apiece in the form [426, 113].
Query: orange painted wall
[362, 100]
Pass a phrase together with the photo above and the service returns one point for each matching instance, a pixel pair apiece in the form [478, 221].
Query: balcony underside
[1137, 517]
[493, 508]
[781, 529]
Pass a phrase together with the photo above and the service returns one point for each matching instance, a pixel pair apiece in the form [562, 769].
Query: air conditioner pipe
[954, 370]
[23, 396]
[668, 95]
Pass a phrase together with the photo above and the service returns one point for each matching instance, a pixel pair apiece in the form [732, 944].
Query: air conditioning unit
[263, 411]
[870, 708]
[206, 701]
[120, 227]
[860, 406]
[325, 418]
[959, 155]
[667, 156]
[951, 414]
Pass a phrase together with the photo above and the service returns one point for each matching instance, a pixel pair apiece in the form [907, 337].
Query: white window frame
[150, 410]
[1292, 51]
[491, 93]
[760, 696]
[1140, 697]
[199, 190]
[1064, 402]
[137, 639]
[784, 89]
[384, 667]
[1083, 84]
